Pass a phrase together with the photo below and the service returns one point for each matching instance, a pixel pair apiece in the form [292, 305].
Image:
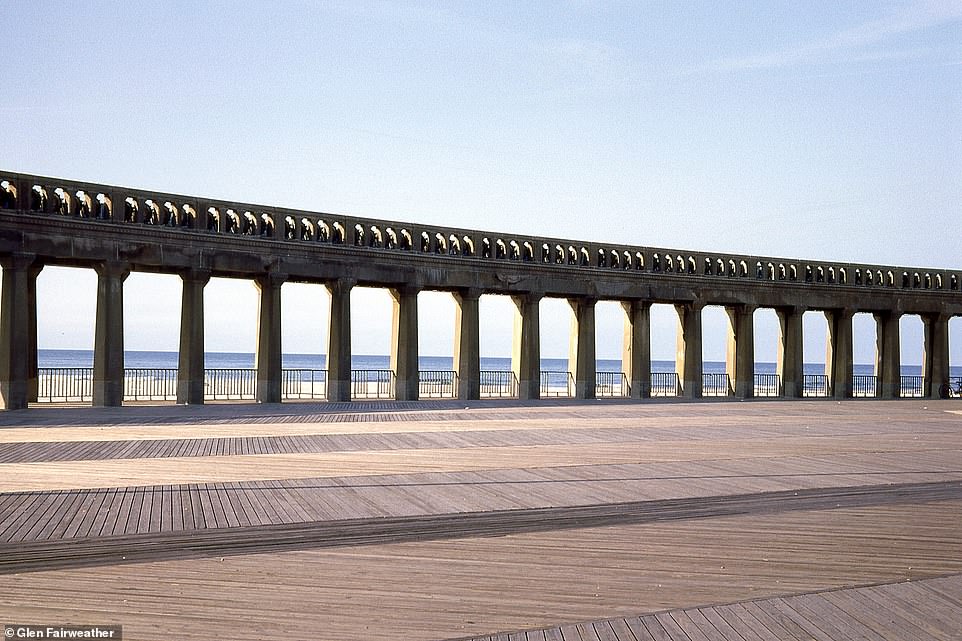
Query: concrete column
[339, 341]
[15, 330]
[267, 359]
[581, 350]
[838, 352]
[108, 383]
[740, 357]
[526, 348]
[636, 348]
[404, 342]
[935, 355]
[467, 343]
[790, 360]
[33, 364]
[888, 358]
[190, 360]
[688, 363]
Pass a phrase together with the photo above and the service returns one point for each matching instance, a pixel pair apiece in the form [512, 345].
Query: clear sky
[829, 130]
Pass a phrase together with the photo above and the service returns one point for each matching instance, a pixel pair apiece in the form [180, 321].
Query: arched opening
[717, 377]
[814, 340]
[912, 355]
[337, 233]
[151, 212]
[496, 314]
[556, 372]
[305, 327]
[664, 343]
[390, 238]
[468, 246]
[62, 201]
[8, 195]
[359, 235]
[765, 368]
[866, 368]
[230, 338]
[425, 242]
[84, 204]
[66, 317]
[372, 309]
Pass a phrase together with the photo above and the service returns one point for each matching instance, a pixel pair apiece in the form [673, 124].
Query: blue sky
[823, 129]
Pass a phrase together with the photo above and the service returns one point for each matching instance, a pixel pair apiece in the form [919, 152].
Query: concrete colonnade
[18, 342]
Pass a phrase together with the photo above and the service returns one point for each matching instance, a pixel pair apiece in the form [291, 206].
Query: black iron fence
[913, 386]
[767, 385]
[230, 384]
[498, 384]
[372, 383]
[303, 384]
[815, 385]
[864, 385]
[611, 385]
[664, 384]
[557, 384]
[437, 384]
[150, 384]
[715, 385]
[65, 384]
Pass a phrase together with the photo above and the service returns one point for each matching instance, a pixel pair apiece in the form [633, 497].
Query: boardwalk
[444, 521]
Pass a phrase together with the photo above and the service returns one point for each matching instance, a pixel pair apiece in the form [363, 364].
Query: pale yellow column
[888, 358]
[108, 377]
[838, 352]
[740, 356]
[688, 358]
[190, 359]
[15, 330]
[526, 349]
[581, 351]
[636, 347]
[790, 364]
[467, 343]
[33, 365]
[404, 342]
[935, 357]
[267, 360]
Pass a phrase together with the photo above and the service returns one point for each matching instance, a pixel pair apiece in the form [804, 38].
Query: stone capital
[113, 269]
[18, 261]
[196, 276]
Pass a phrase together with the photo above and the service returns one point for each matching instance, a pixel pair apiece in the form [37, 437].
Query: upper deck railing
[171, 214]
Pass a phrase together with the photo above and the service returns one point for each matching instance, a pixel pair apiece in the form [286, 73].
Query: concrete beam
[190, 360]
[404, 342]
[467, 343]
[108, 383]
[740, 356]
[935, 357]
[526, 348]
[581, 352]
[339, 341]
[838, 352]
[888, 356]
[17, 322]
[267, 359]
[790, 365]
[688, 355]
[636, 348]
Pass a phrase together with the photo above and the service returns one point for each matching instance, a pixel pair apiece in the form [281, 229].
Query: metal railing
[372, 383]
[767, 385]
[715, 385]
[230, 384]
[498, 384]
[150, 384]
[612, 385]
[65, 384]
[557, 384]
[912, 386]
[664, 384]
[303, 383]
[437, 384]
[864, 385]
[815, 385]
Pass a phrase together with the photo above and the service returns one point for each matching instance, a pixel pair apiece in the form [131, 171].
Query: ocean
[232, 360]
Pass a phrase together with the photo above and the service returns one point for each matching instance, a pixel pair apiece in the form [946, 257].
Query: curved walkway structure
[51, 221]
